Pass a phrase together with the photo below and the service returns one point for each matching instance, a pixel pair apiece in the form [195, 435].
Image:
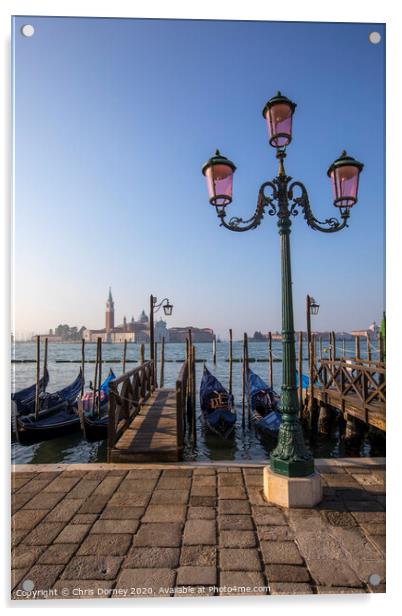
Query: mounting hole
[374, 579]
[375, 38]
[27, 30]
[28, 585]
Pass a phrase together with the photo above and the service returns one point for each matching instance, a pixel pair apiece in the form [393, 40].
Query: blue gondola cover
[264, 403]
[217, 405]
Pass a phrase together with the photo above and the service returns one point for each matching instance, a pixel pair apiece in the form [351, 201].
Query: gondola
[24, 399]
[264, 403]
[94, 425]
[217, 405]
[57, 415]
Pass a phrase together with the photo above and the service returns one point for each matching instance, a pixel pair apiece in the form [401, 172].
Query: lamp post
[285, 198]
[312, 308]
[153, 308]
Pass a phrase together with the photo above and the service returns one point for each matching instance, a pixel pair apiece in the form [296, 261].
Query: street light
[312, 309]
[286, 197]
[153, 308]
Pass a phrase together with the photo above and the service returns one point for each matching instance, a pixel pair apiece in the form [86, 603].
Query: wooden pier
[146, 423]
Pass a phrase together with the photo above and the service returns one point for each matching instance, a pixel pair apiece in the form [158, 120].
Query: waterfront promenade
[126, 530]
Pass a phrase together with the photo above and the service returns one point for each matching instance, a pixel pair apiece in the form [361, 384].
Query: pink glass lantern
[278, 113]
[344, 174]
[219, 171]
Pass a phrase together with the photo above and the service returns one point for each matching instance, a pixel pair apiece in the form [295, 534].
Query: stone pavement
[178, 530]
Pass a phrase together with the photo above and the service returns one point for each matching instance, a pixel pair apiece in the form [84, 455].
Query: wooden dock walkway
[146, 424]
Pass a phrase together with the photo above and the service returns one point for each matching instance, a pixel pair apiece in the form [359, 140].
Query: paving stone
[142, 473]
[73, 533]
[369, 517]
[203, 470]
[177, 472]
[198, 556]
[174, 483]
[44, 533]
[281, 552]
[19, 500]
[154, 579]
[58, 554]
[152, 558]
[83, 589]
[18, 480]
[44, 500]
[240, 583]
[201, 513]
[230, 480]
[232, 493]
[107, 486]
[17, 536]
[23, 556]
[355, 543]
[287, 573]
[268, 516]
[131, 486]
[61, 484]
[237, 539]
[44, 576]
[379, 541]
[203, 501]
[35, 486]
[204, 480]
[235, 522]
[113, 545]
[124, 499]
[275, 533]
[365, 568]
[338, 590]
[83, 489]
[255, 496]
[84, 518]
[234, 559]
[16, 576]
[196, 576]
[255, 481]
[203, 490]
[170, 497]
[333, 573]
[113, 526]
[65, 510]
[94, 504]
[372, 528]
[339, 518]
[320, 545]
[27, 518]
[159, 535]
[285, 588]
[199, 532]
[229, 507]
[122, 513]
[165, 513]
[92, 568]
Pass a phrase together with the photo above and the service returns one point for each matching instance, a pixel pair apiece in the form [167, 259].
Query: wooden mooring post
[271, 374]
[243, 384]
[155, 364]
[83, 364]
[313, 410]
[95, 383]
[357, 346]
[214, 350]
[142, 353]
[368, 346]
[300, 370]
[162, 366]
[100, 375]
[124, 356]
[37, 377]
[247, 379]
[45, 358]
[193, 400]
[230, 361]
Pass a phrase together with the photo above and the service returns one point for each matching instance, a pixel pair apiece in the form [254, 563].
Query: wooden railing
[126, 395]
[363, 380]
[181, 402]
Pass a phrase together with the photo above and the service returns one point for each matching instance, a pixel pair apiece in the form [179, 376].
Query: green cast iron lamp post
[154, 306]
[284, 198]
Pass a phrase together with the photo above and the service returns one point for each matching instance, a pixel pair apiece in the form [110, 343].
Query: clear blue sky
[113, 120]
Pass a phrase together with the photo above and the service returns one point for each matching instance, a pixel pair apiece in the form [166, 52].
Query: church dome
[143, 317]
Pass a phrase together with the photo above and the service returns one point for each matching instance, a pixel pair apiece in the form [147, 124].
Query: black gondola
[57, 415]
[264, 404]
[217, 405]
[24, 399]
[94, 424]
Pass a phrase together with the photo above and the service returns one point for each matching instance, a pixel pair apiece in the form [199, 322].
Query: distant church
[133, 331]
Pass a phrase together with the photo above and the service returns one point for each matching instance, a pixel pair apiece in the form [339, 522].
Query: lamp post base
[292, 492]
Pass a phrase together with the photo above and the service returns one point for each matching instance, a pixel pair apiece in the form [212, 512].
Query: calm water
[245, 444]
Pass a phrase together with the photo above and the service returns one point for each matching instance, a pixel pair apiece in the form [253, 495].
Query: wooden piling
[214, 350]
[357, 346]
[333, 346]
[271, 374]
[45, 358]
[320, 347]
[142, 353]
[247, 379]
[100, 375]
[230, 361]
[124, 356]
[300, 370]
[83, 364]
[95, 383]
[368, 347]
[243, 383]
[162, 366]
[37, 377]
[193, 401]
[343, 347]
[155, 364]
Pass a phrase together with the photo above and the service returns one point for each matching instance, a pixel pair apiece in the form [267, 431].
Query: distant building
[179, 334]
[372, 331]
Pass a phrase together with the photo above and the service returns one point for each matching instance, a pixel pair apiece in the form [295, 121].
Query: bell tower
[109, 312]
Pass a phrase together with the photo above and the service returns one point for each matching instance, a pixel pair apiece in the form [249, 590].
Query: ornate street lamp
[285, 198]
[312, 309]
[153, 308]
